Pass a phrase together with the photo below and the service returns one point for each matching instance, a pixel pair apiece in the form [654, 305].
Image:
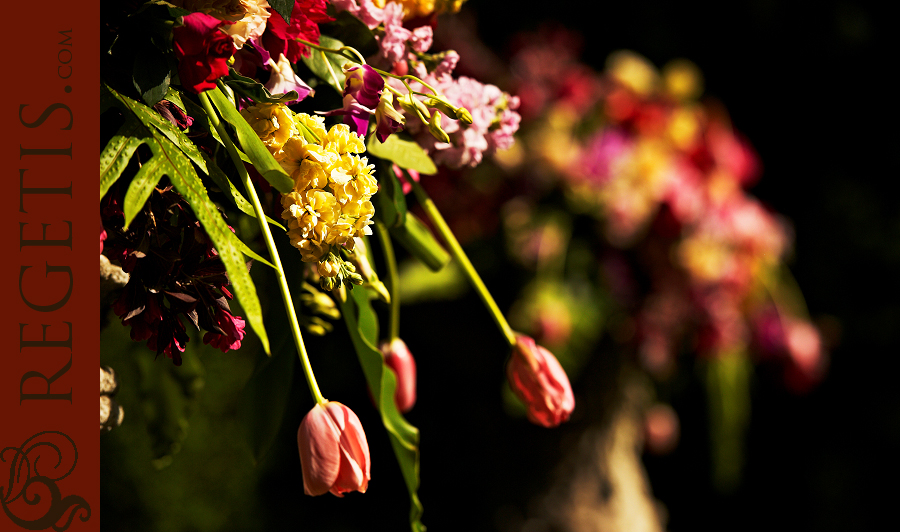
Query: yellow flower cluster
[330, 203]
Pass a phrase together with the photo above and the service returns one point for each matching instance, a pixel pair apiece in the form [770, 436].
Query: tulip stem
[393, 279]
[456, 249]
[270, 245]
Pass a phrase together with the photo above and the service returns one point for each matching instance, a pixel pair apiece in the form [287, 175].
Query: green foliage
[390, 202]
[405, 152]
[362, 325]
[253, 89]
[415, 236]
[169, 159]
[318, 62]
[283, 8]
[256, 151]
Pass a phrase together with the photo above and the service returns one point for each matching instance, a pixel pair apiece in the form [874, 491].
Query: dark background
[808, 85]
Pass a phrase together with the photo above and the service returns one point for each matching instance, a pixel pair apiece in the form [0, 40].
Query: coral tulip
[398, 358]
[540, 382]
[334, 453]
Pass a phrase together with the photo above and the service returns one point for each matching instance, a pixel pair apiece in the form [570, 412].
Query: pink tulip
[398, 358]
[540, 382]
[334, 453]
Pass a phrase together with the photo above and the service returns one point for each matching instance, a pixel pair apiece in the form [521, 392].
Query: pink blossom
[334, 453]
[400, 360]
[283, 80]
[364, 10]
[229, 334]
[539, 381]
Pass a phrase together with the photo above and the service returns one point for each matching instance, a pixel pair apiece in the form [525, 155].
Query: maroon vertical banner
[49, 437]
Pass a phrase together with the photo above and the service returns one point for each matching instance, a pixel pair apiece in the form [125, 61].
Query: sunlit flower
[539, 381]
[251, 25]
[334, 453]
[400, 360]
[202, 51]
[272, 123]
[282, 79]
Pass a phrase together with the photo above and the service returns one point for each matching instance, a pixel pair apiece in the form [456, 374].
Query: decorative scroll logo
[32, 478]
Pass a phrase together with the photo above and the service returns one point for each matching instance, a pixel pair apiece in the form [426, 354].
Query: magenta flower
[202, 51]
[228, 332]
[362, 95]
[387, 119]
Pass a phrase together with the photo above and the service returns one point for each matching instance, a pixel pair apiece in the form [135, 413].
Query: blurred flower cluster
[691, 260]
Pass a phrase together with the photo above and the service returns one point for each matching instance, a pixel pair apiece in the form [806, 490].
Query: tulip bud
[400, 360]
[539, 381]
[334, 453]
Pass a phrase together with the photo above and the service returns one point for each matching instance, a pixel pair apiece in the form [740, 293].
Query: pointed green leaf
[255, 90]
[362, 325]
[222, 181]
[318, 62]
[283, 8]
[151, 74]
[250, 144]
[191, 187]
[390, 202]
[118, 151]
[142, 185]
[405, 152]
[415, 236]
[168, 159]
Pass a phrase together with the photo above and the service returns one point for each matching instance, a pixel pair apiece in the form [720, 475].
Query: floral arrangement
[300, 127]
[209, 124]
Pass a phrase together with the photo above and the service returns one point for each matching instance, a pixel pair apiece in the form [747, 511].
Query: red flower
[202, 51]
[334, 453]
[540, 382]
[279, 37]
[400, 360]
[229, 333]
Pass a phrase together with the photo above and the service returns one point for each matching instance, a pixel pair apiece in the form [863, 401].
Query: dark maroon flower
[202, 51]
[173, 114]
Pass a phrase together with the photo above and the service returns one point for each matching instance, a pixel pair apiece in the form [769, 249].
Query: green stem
[460, 255]
[270, 245]
[393, 279]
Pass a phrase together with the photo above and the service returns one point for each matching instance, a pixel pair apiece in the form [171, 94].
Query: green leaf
[415, 236]
[283, 8]
[255, 90]
[390, 202]
[318, 62]
[222, 181]
[405, 152]
[362, 325]
[189, 185]
[151, 74]
[118, 151]
[264, 398]
[250, 144]
[167, 159]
